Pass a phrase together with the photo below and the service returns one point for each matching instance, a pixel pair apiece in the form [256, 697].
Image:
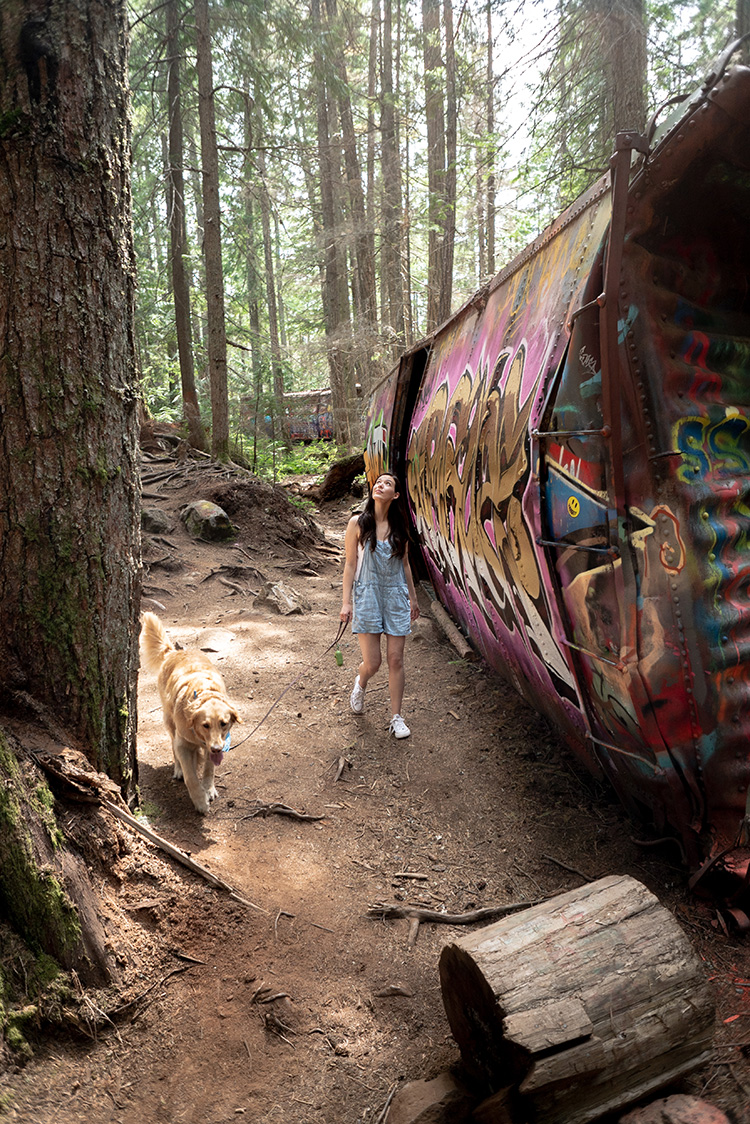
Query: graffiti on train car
[309, 415]
[576, 447]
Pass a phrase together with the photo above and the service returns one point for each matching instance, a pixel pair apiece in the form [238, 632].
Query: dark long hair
[399, 530]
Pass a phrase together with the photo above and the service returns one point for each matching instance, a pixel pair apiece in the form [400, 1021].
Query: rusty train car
[575, 444]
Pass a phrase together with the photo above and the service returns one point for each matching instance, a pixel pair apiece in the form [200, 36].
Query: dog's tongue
[217, 755]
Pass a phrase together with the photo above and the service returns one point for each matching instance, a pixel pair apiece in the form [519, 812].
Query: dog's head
[211, 723]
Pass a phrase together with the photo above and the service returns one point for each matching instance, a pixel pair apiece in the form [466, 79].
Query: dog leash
[336, 642]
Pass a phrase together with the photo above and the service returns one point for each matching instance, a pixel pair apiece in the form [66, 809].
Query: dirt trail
[480, 806]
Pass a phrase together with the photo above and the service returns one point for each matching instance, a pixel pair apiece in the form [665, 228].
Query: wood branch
[390, 911]
[570, 869]
[415, 915]
[176, 853]
[237, 588]
[280, 810]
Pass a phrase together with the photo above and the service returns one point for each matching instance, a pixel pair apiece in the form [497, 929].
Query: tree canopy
[375, 162]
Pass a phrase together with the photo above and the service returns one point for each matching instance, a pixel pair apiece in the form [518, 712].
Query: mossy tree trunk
[69, 488]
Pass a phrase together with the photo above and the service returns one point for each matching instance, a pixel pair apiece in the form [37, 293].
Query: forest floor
[482, 805]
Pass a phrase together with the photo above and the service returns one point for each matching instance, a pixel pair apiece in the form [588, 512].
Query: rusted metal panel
[576, 446]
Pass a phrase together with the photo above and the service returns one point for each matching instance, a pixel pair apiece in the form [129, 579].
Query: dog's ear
[235, 716]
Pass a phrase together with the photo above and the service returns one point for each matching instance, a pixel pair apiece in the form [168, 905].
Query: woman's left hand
[414, 606]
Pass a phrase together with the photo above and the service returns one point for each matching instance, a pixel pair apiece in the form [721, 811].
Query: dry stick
[157, 983]
[280, 810]
[415, 914]
[571, 869]
[387, 1105]
[342, 764]
[176, 853]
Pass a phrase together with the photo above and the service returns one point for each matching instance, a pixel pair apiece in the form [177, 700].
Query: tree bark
[178, 233]
[217, 337]
[69, 514]
[626, 59]
[580, 1005]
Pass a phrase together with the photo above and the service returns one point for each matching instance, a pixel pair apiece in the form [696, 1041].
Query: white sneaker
[357, 698]
[398, 727]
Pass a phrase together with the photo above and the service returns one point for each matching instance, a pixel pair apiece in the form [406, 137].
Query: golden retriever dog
[196, 710]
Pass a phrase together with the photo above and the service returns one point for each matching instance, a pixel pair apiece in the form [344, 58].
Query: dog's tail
[155, 644]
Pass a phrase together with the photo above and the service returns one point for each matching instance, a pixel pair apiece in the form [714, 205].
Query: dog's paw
[202, 807]
[212, 792]
[177, 774]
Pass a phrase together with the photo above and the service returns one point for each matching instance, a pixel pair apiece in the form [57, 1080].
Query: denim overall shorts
[380, 593]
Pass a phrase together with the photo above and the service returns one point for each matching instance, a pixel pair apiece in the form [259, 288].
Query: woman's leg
[394, 650]
[369, 646]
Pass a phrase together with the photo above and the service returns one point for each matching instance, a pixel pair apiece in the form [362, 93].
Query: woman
[378, 576]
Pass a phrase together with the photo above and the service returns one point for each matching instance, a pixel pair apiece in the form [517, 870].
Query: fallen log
[451, 632]
[579, 1006]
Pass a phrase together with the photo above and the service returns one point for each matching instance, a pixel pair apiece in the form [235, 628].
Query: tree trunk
[627, 64]
[742, 27]
[391, 234]
[251, 258]
[491, 150]
[69, 517]
[217, 337]
[449, 201]
[366, 340]
[333, 305]
[178, 234]
[372, 88]
[435, 115]
[272, 309]
[581, 1005]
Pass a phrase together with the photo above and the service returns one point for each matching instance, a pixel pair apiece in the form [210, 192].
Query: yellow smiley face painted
[574, 507]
